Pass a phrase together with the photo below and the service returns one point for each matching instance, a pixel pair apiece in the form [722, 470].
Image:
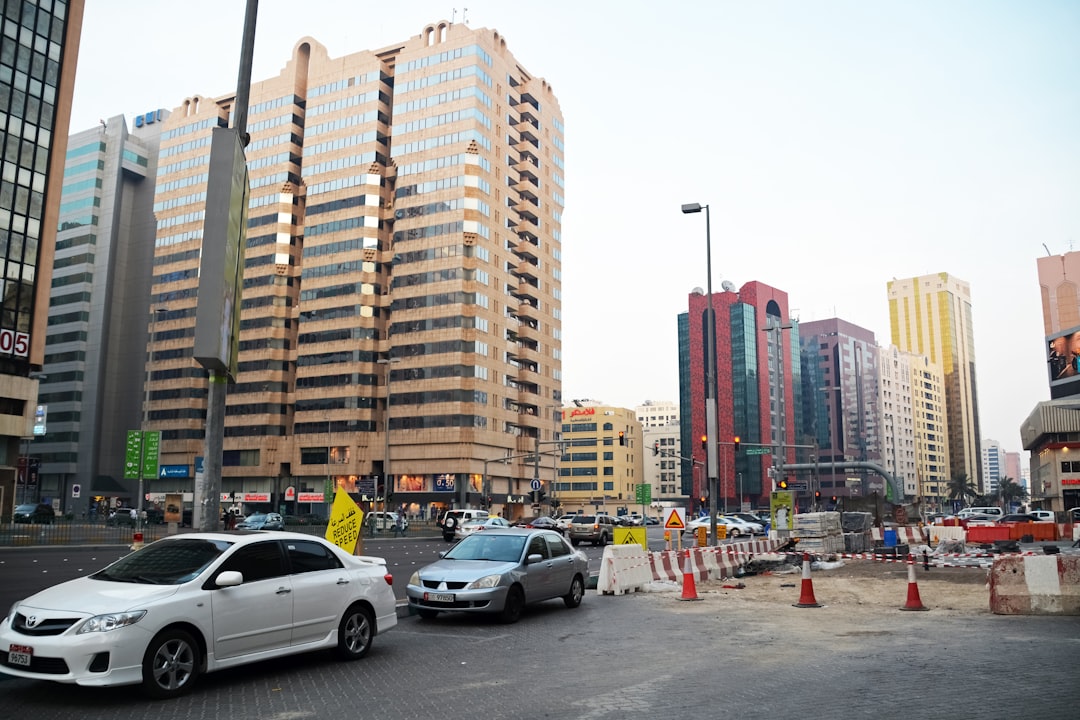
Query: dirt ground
[854, 586]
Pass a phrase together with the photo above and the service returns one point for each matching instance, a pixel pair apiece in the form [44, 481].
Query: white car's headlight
[112, 621]
[414, 579]
[485, 582]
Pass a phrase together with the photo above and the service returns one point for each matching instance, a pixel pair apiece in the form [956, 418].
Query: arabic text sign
[346, 518]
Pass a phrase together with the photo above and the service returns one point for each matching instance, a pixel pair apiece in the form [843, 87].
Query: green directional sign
[758, 451]
[151, 442]
[132, 452]
[643, 494]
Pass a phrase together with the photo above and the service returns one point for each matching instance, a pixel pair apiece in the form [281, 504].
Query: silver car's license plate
[439, 597]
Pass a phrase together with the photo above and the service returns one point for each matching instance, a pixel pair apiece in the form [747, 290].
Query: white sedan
[735, 526]
[195, 603]
[469, 527]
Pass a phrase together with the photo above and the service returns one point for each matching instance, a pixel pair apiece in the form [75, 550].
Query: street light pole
[387, 361]
[154, 312]
[711, 417]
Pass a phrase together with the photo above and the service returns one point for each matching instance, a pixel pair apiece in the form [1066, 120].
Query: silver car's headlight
[414, 579]
[485, 582]
[112, 621]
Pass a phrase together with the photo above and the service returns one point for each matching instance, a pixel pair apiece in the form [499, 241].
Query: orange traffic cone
[689, 588]
[806, 597]
[914, 602]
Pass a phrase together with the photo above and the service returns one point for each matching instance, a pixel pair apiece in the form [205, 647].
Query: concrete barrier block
[1035, 585]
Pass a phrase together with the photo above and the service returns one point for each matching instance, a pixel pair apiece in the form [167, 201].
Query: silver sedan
[500, 571]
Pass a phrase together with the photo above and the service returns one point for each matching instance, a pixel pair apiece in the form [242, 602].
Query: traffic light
[622, 438]
[704, 442]
[656, 448]
[834, 498]
[817, 494]
[736, 443]
[782, 484]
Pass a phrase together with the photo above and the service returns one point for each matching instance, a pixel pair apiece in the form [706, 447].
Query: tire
[355, 633]
[515, 603]
[603, 539]
[577, 591]
[575, 542]
[171, 664]
[448, 538]
[427, 613]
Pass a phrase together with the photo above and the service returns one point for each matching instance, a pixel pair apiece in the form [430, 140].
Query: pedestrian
[399, 524]
[134, 516]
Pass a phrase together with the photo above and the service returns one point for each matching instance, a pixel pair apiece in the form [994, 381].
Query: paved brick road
[642, 656]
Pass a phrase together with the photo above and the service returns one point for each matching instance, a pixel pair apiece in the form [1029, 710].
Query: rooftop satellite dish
[728, 286]
[697, 291]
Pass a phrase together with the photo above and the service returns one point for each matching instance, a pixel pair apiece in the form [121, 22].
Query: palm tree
[1011, 491]
[961, 487]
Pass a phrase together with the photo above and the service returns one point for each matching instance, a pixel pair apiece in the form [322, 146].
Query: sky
[838, 144]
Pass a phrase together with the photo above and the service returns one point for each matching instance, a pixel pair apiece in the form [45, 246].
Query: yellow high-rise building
[931, 315]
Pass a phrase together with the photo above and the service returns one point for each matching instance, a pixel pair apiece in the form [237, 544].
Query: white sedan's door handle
[342, 581]
[283, 591]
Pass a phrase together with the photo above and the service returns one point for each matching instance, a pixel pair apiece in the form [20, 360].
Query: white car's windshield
[164, 563]
[488, 546]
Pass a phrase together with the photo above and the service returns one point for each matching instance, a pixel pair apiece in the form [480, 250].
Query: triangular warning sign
[674, 520]
[630, 539]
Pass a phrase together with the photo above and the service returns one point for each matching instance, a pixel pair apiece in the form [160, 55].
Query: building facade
[40, 44]
[602, 462]
[895, 398]
[993, 462]
[1059, 285]
[401, 317]
[846, 359]
[931, 432]
[660, 427]
[931, 315]
[97, 314]
[1051, 435]
[758, 396]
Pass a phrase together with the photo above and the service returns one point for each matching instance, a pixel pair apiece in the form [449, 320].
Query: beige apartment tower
[401, 306]
[930, 315]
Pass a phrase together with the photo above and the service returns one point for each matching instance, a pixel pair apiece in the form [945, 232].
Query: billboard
[1063, 362]
[221, 269]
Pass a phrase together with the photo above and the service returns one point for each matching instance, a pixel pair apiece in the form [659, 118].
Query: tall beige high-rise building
[401, 311]
[931, 315]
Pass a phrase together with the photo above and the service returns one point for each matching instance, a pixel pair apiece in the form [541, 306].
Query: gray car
[500, 571]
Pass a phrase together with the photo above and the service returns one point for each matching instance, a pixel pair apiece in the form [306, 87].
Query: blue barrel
[890, 538]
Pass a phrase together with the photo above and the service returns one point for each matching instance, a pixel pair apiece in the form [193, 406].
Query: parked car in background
[542, 522]
[500, 571]
[122, 517]
[472, 526]
[749, 518]
[735, 527]
[450, 519]
[650, 520]
[41, 513]
[564, 521]
[262, 521]
[385, 521]
[198, 602]
[1043, 515]
[1013, 518]
[597, 529]
[979, 512]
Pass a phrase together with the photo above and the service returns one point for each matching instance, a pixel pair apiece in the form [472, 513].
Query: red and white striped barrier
[1035, 585]
[624, 568]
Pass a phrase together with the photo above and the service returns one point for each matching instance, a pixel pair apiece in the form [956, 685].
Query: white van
[994, 513]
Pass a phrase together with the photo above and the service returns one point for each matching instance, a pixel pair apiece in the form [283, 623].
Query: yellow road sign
[631, 536]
